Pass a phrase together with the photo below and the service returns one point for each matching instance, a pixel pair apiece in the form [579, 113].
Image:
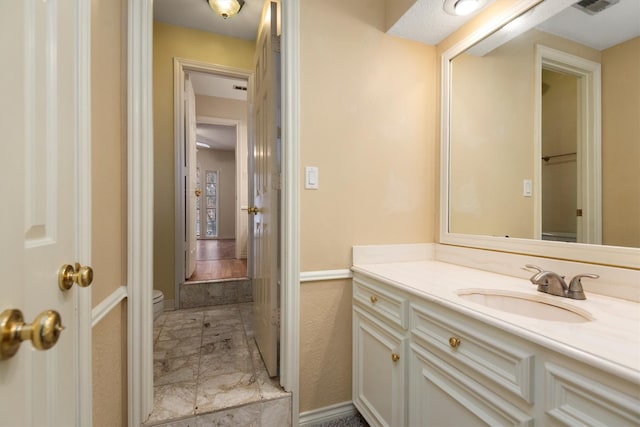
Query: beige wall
[325, 368]
[225, 163]
[212, 106]
[492, 117]
[621, 144]
[368, 123]
[110, 369]
[170, 42]
[109, 227]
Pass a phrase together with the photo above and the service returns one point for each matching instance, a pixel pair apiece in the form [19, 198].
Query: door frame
[589, 145]
[140, 207]
[180, 67]
[85, 312]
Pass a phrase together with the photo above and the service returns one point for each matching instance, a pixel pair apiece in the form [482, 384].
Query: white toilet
[158, 303]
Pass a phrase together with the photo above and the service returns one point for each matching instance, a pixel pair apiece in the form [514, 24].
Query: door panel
[266, 162]
[38, 123]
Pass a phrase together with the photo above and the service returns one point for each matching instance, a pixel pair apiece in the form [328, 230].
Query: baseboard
[328, 413]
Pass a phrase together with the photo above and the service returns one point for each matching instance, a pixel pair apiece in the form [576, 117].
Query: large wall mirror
[541, 133]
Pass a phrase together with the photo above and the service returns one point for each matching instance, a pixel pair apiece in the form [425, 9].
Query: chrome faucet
[554, 284]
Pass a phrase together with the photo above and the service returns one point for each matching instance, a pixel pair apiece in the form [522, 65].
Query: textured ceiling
[608, 28]
[427, 22]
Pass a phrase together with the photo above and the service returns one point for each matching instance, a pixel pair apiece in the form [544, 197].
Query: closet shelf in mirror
[547, 158]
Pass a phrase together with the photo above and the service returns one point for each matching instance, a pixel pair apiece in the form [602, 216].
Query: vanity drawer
[376, 298]
[488, 352]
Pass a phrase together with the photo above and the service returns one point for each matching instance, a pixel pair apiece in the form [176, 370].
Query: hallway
[215, 260]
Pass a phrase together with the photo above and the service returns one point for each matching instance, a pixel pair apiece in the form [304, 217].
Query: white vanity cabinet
[462, 373]
[379, 354]
[418, 362]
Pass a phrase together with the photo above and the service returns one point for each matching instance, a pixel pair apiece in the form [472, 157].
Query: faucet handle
[575, 287]
[539, 279]
[535, 267]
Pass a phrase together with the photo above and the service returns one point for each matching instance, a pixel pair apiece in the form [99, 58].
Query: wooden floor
[215, 260]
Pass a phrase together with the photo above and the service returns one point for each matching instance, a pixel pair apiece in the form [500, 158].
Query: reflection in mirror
[543, 148]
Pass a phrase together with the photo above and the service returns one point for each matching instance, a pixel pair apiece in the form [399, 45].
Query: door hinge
[277, 181]
[579, 212]
[275, 317]
[275, 43]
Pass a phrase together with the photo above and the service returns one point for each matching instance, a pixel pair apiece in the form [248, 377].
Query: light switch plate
[527, 188]
[311, 178]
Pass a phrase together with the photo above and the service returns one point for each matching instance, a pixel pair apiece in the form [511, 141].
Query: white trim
[608, 255]
[328, 413]
[84, 397]
[322, 275]
[290, 229]
[106, 305]
[140, 211]
[180, 65]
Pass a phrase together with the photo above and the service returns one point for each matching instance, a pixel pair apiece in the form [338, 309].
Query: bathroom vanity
[455, 334]
[441, 344]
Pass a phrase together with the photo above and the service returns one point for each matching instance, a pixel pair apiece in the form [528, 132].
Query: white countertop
[611, 341]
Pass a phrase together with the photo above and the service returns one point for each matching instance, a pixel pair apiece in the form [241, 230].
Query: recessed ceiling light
[203, 145]
[462, 7]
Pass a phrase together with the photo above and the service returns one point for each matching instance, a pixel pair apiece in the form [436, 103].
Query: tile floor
[206, 361]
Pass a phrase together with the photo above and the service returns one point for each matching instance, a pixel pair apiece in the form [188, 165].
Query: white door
[40, 148]
[266, 163]
[191, 199]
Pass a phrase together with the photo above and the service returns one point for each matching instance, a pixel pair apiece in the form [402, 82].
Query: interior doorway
[140, 352]
[216, 202]
[220, 224]
[575, 162]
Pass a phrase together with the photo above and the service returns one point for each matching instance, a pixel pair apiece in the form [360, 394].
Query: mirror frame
[603, 255]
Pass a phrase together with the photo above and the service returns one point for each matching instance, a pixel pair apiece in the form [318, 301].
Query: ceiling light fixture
[226, 8]
[203, 145]
[462, 7]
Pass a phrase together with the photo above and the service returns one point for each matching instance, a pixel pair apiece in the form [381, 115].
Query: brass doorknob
[69, 274]
[454, 342]
[198, 193]
[252, 210]
[374, 299]
[395, 357]
[43, 332]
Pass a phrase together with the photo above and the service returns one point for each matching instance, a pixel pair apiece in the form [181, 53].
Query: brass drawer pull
[395, 357]
[454, 342]
[374, 299]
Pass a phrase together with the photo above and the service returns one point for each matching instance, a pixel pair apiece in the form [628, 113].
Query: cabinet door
[585, 396]
[379, 386]
[441, 395]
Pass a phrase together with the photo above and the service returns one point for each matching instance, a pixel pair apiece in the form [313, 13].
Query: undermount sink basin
[536, 306]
